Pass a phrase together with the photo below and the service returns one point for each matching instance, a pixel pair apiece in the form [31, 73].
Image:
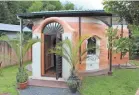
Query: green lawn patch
[123, 82]
[134, 62]
[8, 79]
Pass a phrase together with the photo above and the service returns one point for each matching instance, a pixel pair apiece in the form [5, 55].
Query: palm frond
[28, 45]
[80, 42]
[58, 51]
[15, 44]
[69, 51]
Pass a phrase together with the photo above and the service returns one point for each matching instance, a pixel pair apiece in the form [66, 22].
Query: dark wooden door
[47, 58]
[58, 62]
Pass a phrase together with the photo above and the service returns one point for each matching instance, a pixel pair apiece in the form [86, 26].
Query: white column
[65, 65]
[36, 57]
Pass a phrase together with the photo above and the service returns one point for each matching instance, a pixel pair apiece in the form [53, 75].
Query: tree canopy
[128, 10]
[9, 9]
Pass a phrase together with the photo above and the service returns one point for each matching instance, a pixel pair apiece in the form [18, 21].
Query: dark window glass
[91, 46]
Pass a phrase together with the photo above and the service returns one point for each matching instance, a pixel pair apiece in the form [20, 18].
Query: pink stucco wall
[93, 29]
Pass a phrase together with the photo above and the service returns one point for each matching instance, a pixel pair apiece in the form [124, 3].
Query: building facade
[54, 26]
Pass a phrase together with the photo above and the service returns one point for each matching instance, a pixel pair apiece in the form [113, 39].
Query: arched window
[53, 28]
[91, 45]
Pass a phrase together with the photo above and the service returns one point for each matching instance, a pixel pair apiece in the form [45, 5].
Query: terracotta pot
[22, 85]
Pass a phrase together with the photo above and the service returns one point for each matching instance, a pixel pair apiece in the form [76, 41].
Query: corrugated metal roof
[14, 28]
[64, 13]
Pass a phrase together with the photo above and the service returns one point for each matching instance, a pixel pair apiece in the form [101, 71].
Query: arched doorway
[42, 31]
[52, 63]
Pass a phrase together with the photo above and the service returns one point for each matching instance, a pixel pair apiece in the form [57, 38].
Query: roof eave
[62, 14]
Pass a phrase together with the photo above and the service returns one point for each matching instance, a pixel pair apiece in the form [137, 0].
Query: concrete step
[93, 72]
[47, 83]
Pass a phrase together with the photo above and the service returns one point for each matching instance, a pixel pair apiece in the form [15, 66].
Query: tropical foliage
[70, 51]
[126, 44]
[122, 44]
[135, 30]
[15, 44]
[134, 40]
[116, 43]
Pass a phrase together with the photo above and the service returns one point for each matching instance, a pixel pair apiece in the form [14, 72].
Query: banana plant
[14, 43]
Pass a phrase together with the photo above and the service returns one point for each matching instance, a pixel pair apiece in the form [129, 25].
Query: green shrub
[22, 75]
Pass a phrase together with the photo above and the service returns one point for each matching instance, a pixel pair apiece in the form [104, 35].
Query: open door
[52, 63]
[47, 58]
[58, 61]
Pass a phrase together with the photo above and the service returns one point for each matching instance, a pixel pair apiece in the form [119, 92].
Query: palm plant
[70, 52]
[14, 43]
[26, 42]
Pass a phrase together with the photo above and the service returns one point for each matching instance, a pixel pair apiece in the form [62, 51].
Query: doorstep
[47, 83]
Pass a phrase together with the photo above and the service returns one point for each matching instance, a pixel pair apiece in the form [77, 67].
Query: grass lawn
[123, 82]
[134, 62]
[8, 79]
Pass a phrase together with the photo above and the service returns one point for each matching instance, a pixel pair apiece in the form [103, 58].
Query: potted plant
[22, 78]
[73, 85]
[73, 82]
[70, 52]
[21, 44]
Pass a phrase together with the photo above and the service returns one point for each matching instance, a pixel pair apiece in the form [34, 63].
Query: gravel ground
[33, 90]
